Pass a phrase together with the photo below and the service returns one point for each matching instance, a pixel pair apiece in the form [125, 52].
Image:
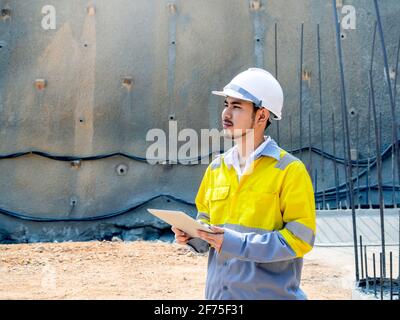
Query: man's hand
[180, 236]
[214, 239]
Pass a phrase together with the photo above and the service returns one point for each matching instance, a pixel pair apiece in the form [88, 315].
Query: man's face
[239, 118]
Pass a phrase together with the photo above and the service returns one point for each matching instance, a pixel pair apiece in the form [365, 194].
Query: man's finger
[178, 232]
[217, 229]
[206, 234]
[182, 238]
[206, 237]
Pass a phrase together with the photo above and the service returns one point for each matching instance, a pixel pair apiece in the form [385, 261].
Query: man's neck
[246, 146]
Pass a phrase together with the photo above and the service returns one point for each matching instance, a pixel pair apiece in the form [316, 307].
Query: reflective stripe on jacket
[269, 221]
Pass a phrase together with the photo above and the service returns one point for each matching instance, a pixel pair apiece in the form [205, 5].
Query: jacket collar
[270, 149]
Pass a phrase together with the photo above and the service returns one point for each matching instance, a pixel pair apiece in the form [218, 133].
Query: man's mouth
[227, 124]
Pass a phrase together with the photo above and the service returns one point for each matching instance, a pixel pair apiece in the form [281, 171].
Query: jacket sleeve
[203, 215]
[299, 220]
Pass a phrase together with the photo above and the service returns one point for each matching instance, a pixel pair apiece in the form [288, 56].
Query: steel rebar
[301, 90]
[361, 258]
[357, 164]
[345, 119]
[334, 161]
[309, 144]
[369, 200]
[373, 46]
[369, 196]
[276, 73]
[391, 274]
[379, 169]
[381, 273]
[366, 267]
[374, 268]
[320, 114]
[291, 134]
[389, 87]
[315, 180]
[346, 161]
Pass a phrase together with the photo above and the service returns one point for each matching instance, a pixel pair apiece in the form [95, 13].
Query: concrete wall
[174, 53]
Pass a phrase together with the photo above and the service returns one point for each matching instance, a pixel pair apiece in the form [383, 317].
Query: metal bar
[381, 273]
[366, 267]
[316, 180]
[334, 161]
[361, 258]
[309, 144]
[301, 89]
[320, 114]
[389, 86]
[397, 72]
[277, 132]
[393, 177]
[276, 73]
[357, 163]
[395, 103]
[337, 190]
[393, 164]
[369, 200]
[391, 274]
[291, 134]
[276, 50]
[380, 131]
[369, 197]
[346, 164]
[345, 119]
[322, 163]
[379, 168]
[380, 150]
[374, 265]
[319, 65]
[373, 46]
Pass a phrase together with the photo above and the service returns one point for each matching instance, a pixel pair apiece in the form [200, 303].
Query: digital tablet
[180, 220]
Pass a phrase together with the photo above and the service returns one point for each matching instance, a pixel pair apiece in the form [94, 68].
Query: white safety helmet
[258, 86]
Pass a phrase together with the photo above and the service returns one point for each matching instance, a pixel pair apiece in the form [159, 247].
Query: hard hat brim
[237, 95]
[231, 93]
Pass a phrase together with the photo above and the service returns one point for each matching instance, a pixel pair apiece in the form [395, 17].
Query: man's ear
[263, 116]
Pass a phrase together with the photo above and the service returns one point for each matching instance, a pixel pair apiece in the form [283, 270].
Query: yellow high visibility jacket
[269, 220]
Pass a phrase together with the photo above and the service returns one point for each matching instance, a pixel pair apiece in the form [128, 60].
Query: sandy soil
[141, 270]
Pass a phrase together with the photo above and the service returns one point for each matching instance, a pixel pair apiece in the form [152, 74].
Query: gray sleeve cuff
[198, 245]
[232, 243]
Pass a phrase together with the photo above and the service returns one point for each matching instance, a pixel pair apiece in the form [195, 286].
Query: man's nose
[226, 114]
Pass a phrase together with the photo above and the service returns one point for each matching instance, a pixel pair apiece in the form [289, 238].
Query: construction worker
[259, 202]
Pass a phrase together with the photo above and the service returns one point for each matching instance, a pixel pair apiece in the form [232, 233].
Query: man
[260, 202]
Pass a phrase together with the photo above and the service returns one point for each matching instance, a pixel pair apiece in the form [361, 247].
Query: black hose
[94, 218]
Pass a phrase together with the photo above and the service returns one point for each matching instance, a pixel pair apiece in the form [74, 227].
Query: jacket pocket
[218, 202]
[218, 193]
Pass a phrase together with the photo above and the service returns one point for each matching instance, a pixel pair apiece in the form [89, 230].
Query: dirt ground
[141, 270]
